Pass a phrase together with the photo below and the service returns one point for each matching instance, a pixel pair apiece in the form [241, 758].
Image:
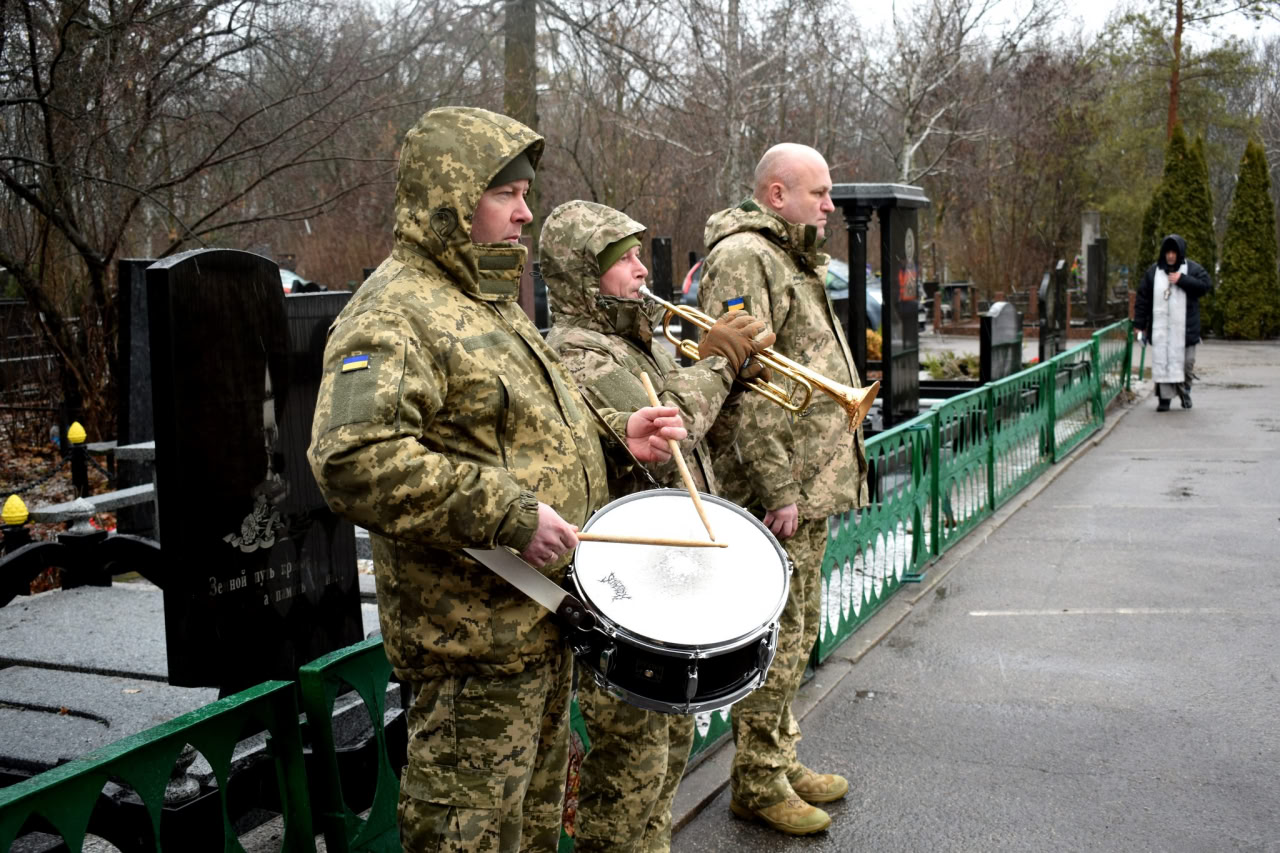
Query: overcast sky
[1091, 16]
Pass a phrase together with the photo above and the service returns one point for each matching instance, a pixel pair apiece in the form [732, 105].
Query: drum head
[695, 597]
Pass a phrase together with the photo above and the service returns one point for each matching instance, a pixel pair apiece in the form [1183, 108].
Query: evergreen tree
[1208, 256]
[1148, 239]
[1184, 203]
[1248, 294]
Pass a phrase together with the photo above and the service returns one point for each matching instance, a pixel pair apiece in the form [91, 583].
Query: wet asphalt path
[1102, 673]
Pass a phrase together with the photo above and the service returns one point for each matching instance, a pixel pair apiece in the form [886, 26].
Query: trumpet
[856, 402]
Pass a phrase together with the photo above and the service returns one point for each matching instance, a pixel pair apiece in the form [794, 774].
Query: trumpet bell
[861, 400]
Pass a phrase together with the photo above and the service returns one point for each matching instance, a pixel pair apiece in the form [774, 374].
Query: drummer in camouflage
[444, 422]
[602, 331]
[793, 472]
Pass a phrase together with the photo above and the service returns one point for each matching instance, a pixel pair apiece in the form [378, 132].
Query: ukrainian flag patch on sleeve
[737, 303]
[355, 362]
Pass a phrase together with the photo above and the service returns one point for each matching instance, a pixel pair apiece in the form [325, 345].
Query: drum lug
[764, 654]
[691, 685]
[606, 659]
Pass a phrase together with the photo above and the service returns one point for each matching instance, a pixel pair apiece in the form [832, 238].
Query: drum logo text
[615, 583]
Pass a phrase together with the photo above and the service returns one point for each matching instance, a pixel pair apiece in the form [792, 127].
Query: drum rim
[683, 649]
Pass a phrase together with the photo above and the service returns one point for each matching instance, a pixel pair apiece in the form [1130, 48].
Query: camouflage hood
[573, 236]
[446, 163]
[799, 241]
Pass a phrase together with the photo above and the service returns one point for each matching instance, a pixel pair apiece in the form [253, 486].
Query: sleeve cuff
[517, 529]
[787, 495]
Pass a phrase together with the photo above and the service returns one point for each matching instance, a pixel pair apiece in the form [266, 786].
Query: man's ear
[774, 195]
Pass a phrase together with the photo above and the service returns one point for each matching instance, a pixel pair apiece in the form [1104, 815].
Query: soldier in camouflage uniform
[443, 422]
[602, 332]
[793, 472]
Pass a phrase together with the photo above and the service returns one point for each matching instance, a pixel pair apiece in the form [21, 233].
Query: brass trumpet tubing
[856, 402]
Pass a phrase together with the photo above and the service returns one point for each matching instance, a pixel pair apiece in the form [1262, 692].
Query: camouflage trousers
[629, 778]
[764, 730]
[487, 761]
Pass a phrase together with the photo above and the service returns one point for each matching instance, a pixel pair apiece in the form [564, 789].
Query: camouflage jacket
[443, 418]
[606, 342]
[778, 459]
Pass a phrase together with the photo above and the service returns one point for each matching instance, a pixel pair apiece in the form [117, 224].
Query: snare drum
[680, 630]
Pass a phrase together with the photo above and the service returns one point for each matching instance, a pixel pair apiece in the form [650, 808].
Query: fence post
[935, 497]
[991, 447]
[1128, 356]
[1095, 355]
[15, 517]
[79, 460]
[1051, 436]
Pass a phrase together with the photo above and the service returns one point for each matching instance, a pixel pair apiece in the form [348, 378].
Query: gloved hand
[732, 336]
[754, 368]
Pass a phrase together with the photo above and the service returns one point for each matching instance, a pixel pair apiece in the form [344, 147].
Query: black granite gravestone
[133, 408]
[660, 276]
[898, 370]
[1053, 312]
[1000, 343]
[263, 575]
[1096, 272]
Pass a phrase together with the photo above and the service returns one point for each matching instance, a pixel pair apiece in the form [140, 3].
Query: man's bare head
[793, 181]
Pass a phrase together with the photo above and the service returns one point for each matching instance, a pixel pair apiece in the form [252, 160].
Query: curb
[710, 776]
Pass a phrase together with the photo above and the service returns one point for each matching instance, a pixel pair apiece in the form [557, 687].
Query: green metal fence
[63, 800]
[937, 477]
[364, 668]
[932, 480]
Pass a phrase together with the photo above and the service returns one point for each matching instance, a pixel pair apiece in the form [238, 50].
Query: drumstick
[679, 457]
[649, 540]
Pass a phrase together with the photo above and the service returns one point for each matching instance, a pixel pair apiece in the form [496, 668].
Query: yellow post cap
[15, 511]
[75, 434]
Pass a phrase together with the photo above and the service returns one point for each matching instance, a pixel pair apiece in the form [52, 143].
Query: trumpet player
[793, 472]
[603, 333]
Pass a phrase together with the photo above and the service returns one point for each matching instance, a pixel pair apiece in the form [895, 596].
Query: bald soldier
[792, 472]
[445, 422]
[603, 332]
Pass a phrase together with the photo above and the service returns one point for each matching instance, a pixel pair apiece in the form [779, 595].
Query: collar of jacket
[612, 315]
[801, 242]
[488, 271]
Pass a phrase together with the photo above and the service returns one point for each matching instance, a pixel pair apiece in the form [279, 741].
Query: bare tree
[148, 127]
[916, 74]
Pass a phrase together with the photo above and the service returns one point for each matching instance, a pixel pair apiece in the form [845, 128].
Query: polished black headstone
[898, 370]
[133, 383]
[1096, 284]
[263, 574]
[660, 277]
[1000, 342]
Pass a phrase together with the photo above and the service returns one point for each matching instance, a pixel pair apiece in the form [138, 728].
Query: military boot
[792, 815]
[815, 787]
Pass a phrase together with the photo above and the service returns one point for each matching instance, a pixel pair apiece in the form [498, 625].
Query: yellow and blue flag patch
[355, 362]
[735, 304]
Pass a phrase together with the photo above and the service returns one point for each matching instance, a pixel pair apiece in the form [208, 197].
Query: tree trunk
[1175, 71]
[520, 79]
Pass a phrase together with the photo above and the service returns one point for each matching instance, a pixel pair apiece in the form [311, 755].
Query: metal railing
[938, 476]
[63, 800]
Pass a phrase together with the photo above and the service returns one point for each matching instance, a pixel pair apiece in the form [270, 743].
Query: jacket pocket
[505, 422]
